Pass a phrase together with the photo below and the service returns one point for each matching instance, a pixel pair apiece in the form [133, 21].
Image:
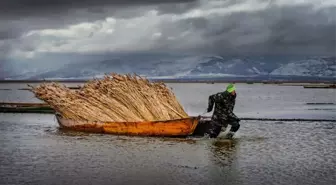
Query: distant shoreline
[188, 81]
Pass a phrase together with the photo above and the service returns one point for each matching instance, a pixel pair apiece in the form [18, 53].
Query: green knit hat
[230, 88]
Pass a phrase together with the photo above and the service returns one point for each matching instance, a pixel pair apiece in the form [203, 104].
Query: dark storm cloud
[36, 7]
[19, 16]
[177, 8]
[8, 33]
[297, 28]
[4, 50]
[286, 29]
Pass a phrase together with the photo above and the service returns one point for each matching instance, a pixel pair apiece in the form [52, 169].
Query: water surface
[34, 151]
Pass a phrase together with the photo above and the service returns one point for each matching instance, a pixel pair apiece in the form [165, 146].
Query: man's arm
[211, 101]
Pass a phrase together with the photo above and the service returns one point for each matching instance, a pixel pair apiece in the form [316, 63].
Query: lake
[34, 151]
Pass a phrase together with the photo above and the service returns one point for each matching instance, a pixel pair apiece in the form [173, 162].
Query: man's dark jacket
[224, 105]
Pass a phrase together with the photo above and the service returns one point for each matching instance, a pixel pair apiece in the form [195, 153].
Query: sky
[36, 28]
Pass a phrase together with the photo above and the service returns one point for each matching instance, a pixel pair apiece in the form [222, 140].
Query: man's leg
[214, 130]
[234, 128]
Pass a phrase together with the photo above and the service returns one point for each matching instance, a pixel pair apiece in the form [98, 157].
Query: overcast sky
[30, 28]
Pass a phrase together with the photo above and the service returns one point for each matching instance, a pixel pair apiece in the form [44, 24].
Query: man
[223, 113]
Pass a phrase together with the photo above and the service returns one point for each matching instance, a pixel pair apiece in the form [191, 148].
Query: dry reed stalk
[113, 98]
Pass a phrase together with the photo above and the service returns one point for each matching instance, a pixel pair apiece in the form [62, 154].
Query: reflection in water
[223, 160]
[144, 139]
[223, 151]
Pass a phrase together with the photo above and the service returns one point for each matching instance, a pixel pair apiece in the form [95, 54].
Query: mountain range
[161, 66]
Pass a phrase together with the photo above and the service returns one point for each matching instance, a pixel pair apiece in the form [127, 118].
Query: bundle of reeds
[113, 98]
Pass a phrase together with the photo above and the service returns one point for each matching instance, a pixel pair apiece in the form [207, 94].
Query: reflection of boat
[177, 127]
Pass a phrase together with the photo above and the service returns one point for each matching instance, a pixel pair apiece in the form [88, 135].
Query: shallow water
[255, 100]
[34, 151]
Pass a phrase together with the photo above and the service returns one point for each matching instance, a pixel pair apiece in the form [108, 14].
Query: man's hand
[209, 109]
[234, 119]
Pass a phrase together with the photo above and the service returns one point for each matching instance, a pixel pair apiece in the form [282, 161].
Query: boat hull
[178, 127]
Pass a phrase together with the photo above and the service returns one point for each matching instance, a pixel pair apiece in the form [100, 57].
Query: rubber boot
[206, 136]
[229, 135]
[223, 129]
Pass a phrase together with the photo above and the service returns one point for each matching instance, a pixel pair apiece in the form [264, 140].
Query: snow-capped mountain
[161, 66]
[234, 66]
[312, 67]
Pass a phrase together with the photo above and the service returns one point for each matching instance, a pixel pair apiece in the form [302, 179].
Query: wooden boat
[320, 86]
[177, 127]
[20, 104]
[8, 107]
[46, 110]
